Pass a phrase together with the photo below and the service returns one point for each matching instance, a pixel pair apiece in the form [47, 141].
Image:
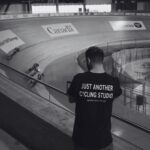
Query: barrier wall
[29, 129]
[36, 133]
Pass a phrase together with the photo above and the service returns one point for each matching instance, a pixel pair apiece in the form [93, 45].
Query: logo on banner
[9, 41]
[127, 25]
[56, 30]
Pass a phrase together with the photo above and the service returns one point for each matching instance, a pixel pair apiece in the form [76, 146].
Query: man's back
[94, 94]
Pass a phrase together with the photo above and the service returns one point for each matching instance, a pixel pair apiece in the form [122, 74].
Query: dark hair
[94, 55]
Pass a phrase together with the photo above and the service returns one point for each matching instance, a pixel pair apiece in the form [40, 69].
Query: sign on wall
[9, 41]
[63, 29]
[127, 25]
[41, 8]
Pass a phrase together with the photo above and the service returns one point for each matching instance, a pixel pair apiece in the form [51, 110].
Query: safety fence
[118, 141]
[127, 114]
[136, 92]
[119, 57]
[131, 96]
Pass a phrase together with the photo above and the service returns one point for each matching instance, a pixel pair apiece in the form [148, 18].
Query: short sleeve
[118, 90]
[73, 89]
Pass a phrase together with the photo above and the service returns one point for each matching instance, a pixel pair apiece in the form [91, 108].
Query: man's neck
[98, 69]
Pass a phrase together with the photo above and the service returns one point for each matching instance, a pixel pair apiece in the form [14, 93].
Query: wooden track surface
[41, 48]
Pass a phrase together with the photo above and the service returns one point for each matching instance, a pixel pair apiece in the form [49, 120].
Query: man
[33, 68]
[93, 92]
[39, 77]
[12, 53]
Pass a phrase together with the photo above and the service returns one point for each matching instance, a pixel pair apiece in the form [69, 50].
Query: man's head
[94, 56]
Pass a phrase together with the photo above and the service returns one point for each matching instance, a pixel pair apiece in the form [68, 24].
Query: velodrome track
[48, 52]
[41, 48]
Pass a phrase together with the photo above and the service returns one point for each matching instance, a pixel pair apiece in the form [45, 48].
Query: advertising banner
[63, 29]
[9, 41]
[127, 25]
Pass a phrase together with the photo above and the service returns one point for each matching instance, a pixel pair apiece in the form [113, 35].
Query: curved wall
[42, 48]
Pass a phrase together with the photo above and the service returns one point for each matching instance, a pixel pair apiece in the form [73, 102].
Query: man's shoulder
[116, 79]
[104, 75]
[110, 76]
[80, 75]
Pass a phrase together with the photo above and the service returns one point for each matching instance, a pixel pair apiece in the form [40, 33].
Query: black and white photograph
[74, 74]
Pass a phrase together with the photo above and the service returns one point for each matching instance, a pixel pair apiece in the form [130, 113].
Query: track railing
[52, 94]
[29, 82]
[126, 51]
[53, 91]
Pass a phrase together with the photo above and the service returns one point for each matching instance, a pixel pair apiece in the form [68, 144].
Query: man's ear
[89, 65]
[88, 61]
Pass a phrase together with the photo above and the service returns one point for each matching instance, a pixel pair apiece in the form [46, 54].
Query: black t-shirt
[93, 94]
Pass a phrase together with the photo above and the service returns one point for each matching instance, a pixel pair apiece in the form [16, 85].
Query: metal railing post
[49, 95]
[107, 48]
[124, 96]
[57, 6]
